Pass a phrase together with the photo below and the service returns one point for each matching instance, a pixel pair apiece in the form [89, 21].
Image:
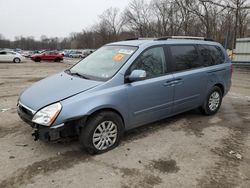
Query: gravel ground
[187, 150]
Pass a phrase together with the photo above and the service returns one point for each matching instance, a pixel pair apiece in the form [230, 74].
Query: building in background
[242, 51]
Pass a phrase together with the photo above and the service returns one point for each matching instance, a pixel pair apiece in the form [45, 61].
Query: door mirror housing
[137, 75]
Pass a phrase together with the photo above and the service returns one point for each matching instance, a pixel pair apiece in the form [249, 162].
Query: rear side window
[211, 55]
[185, 57]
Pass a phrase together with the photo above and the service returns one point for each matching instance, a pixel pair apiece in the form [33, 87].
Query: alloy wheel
[105, 135]
[214, 101]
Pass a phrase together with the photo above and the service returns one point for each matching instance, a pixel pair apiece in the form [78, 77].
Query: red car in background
[47, 56]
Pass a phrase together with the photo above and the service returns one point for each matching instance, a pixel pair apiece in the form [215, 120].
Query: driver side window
[152, 61]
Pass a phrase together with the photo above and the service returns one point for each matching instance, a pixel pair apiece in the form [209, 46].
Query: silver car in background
[11, 56]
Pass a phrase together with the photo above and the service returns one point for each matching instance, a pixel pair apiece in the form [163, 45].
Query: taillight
[231, 70]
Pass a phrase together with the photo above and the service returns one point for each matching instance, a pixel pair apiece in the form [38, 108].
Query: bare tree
[222, 20]
[112, 20]
[138, 17]
[240, 10]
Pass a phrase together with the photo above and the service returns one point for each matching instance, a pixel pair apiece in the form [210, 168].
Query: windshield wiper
[75, 74]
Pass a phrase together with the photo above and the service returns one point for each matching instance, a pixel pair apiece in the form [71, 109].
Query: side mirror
[137, 75]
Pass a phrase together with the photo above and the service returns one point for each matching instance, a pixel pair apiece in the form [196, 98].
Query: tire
[57, 60]
[16, 60]
[213, 101]
[106, 128]
[37, 59]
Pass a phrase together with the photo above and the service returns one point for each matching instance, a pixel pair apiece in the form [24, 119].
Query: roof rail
[184, 37]
[137, 38]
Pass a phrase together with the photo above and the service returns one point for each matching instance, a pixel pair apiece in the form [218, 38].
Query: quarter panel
[220, 74]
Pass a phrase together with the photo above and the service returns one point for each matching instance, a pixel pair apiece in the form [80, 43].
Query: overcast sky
[53, 18]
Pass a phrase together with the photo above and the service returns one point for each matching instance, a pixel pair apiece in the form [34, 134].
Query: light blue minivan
[126, 84]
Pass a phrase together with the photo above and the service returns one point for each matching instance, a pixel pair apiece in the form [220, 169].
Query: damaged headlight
[47, 115]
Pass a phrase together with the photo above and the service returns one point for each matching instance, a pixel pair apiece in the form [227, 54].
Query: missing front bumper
[70, 129]
[46, 134]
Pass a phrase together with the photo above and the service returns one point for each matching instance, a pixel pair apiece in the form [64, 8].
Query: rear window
[211, 55]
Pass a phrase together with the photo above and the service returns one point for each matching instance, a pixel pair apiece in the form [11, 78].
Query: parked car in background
[86, 52]
[75, 54]
[127, 84]
[47, 56]
[66, 53]
[27, 54]
[11, 56]
[61, 52]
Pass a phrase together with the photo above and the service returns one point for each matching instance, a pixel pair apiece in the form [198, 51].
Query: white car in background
[10, 56]
[75, 54]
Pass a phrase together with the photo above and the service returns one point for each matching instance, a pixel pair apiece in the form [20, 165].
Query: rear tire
[16, 60]
[57, 60]
[213, 101]
[103, 132]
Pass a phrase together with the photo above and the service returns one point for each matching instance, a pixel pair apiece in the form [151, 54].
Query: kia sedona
[124, 85]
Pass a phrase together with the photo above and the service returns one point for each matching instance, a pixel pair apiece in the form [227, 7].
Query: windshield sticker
[125, 51]
[118, 57]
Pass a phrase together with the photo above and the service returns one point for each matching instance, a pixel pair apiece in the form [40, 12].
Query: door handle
[168, 83]
[178, 81]
[173, 82]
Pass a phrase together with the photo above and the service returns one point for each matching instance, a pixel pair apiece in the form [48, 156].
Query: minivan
[126, 84]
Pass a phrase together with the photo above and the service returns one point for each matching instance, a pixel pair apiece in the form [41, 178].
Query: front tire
[16, 60]
[103, 132]
[213, 101]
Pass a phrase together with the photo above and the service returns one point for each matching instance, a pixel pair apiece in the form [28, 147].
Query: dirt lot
[187, 150]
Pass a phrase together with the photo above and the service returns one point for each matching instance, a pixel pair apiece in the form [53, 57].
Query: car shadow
[136, 133]
[151, 128]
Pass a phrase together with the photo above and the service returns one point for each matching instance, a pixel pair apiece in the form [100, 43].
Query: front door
[150, 99]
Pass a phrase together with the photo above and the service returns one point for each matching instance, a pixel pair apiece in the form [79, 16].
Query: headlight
[47, 115]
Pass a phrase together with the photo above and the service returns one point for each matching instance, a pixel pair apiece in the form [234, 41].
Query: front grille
[24, 112]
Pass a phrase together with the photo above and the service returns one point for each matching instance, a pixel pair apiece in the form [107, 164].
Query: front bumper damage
[44, 133]
[47, 133]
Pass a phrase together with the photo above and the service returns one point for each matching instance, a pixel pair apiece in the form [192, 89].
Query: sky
[53, 18]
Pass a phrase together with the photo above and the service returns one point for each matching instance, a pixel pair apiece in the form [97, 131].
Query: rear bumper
[227, 87]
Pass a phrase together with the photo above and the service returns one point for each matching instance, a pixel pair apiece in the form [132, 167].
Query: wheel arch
[221, 88]
[96, 111]
[16, 58]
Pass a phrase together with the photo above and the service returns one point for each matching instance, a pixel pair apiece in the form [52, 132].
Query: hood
[53, 89]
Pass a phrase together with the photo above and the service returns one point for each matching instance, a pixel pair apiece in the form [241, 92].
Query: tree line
[221, 20]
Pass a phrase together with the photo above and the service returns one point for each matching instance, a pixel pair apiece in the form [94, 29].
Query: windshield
[104, 62]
